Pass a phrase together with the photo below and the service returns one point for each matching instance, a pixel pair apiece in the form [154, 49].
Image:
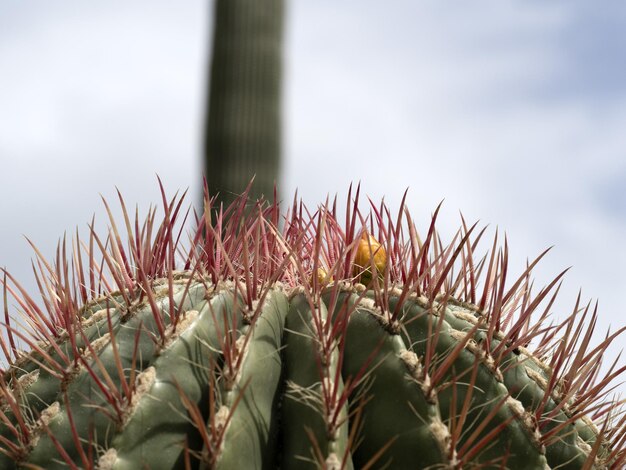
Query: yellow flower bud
[322, 277]
[369, 250]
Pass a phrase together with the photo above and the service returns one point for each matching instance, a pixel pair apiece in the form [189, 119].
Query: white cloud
[92, 97]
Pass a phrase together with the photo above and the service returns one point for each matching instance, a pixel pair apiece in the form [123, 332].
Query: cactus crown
[363, 317]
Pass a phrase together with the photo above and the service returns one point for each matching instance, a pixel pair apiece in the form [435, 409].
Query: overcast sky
[513, 112]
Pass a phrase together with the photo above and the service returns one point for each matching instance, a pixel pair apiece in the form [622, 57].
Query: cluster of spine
[267, 340]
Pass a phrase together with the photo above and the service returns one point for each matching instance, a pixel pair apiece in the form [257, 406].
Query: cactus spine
[306, 346]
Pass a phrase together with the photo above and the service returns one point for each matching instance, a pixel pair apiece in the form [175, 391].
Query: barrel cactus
[263, 339]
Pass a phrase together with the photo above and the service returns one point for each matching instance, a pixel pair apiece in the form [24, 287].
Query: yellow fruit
[368, 251]
[322, 277]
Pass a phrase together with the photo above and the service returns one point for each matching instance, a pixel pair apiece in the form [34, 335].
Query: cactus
[243, 122]
[273, 340]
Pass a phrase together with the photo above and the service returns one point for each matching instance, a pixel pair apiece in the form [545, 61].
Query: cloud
[94, 97]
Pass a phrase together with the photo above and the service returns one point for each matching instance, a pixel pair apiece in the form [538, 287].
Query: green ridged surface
[302, 402]
[404, 420]
[564, 452]
[277, 418]
[250, 440]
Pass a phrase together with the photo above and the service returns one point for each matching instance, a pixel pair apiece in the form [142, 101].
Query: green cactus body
[246, 359]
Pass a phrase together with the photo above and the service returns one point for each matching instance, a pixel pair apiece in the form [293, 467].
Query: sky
[512, 112]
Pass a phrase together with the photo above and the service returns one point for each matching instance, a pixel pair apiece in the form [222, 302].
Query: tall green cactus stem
[247, 357]
[244, 112]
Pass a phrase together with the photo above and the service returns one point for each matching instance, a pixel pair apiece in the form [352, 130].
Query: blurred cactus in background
[242, 137]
